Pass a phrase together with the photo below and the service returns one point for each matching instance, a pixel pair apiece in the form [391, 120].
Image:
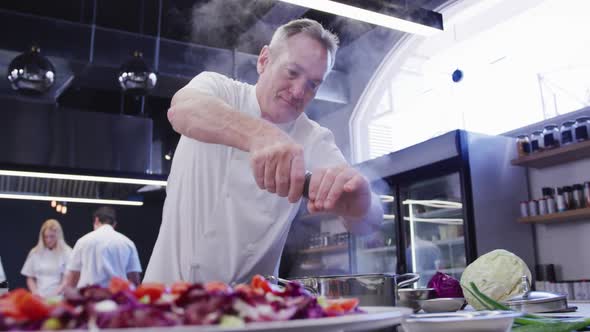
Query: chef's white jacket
[48, 268]
[102, 254]
[2, 274]
[217, 224]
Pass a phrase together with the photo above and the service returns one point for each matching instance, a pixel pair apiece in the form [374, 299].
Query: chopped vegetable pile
[154, 305]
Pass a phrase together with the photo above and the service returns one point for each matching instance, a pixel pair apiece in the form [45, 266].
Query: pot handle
[277, 280]
[284, 282]
[413, 277]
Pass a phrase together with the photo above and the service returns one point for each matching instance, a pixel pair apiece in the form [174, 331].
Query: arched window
[498, 66]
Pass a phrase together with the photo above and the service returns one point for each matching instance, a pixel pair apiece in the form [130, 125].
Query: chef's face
[50, 238]
[290, 76]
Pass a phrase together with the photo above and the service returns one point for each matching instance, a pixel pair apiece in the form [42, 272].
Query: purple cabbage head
[445, 286]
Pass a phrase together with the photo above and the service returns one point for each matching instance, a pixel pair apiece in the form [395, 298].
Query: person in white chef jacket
[238, 171]
[45, 265]
[102, 254]
[3, 281]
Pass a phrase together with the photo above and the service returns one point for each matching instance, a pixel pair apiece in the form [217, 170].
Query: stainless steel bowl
[443, 304]
[413, 297]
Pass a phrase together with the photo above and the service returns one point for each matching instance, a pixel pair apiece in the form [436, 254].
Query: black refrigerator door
[433, 223]
[317, 245]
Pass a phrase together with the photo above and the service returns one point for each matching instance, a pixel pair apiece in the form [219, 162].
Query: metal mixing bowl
[412, 297]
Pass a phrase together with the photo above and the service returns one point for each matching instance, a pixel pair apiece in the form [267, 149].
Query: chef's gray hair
[311, 28]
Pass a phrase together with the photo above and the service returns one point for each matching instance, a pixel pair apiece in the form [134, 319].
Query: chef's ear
[263, 59]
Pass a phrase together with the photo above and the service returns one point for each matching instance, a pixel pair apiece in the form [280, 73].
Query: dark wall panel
[36, 134]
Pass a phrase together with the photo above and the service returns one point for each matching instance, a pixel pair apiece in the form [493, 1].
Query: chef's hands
[278, 166]
[341, 190]
[277, 163]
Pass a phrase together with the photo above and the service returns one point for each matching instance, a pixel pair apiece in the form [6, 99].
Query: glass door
[433, 220]
[316, 245]
[376, 252]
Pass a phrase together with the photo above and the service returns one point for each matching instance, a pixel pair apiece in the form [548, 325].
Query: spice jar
[582, 128]
[542, 203]
[524, 209]
[523, 145]
[578, 196]
[550, 137]
[587, 194]
[551, 205]
[535, 140]
[567, 132]
[533, 208]
[567, 197]
[548, 194]
[560, 201]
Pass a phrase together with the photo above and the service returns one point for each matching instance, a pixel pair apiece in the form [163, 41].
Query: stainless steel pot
[371, 289]
[534, 301]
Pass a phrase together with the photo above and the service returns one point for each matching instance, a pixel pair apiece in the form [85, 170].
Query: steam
[220, 23]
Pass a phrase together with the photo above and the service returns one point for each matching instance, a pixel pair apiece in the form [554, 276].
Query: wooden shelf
[325, 250]
[555, 156]
[452, 241]
[377, 250]
[571, 215]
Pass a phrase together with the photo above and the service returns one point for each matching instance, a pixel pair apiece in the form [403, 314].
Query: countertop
[583, 311]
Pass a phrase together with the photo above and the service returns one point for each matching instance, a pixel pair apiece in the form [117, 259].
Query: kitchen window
[498, 66]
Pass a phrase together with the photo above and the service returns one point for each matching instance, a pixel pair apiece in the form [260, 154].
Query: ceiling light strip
[71, 199]
[368, 16]
[83, 177]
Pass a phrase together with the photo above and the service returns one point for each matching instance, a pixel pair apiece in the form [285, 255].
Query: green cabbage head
[497, 274]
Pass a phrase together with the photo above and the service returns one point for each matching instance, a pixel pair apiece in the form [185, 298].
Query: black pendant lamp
[31, 72]
[136, 77]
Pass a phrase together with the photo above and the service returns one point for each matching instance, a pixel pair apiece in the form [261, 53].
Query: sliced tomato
[243, 288]
[9, 309]
[15, 294]
[217, 286]
[259, 282]
[33, 307]
[342, 305]
[119, 284]
[153, 290]
[179, 287]
[9, 303]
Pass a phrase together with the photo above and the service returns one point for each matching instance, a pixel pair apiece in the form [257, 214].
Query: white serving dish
[464, 321]
[373, 318]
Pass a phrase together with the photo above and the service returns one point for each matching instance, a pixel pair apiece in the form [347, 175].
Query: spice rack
[571, 215]
[555, 156]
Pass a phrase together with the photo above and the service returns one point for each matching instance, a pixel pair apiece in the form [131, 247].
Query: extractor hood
[49, 153]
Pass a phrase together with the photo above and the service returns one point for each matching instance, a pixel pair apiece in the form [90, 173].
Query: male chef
[238, 172]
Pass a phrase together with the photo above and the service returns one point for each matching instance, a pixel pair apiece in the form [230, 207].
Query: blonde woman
[46, 263]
